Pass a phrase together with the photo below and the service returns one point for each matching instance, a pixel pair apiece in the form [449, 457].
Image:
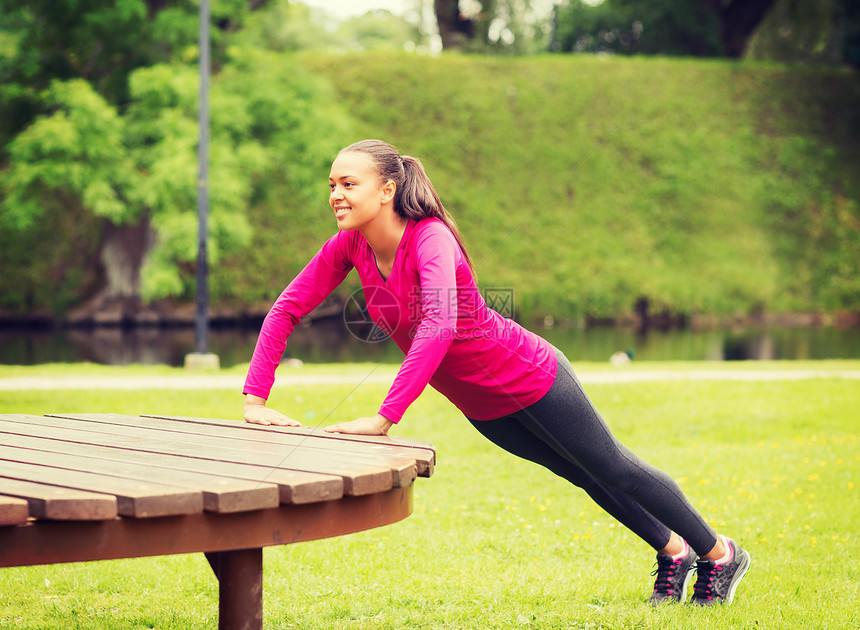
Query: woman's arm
[326, 270]
[437, 256]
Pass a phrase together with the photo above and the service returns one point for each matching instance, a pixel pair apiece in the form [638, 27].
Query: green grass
[495, 542]
[96, 370]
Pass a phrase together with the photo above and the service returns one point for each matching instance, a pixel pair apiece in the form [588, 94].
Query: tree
[669, 27]
[289, 26]
[124, 165]
[809, 31]
[455, 28]
[491, 25]
[285, 26]
[378, 30]
[673, 27]
[64, 40]
[738, 21]
[137, 173]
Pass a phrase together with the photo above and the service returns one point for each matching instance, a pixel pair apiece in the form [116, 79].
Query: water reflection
[329, 341]
[735, 344]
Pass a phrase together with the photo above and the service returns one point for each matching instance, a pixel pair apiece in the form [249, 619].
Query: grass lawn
[495, 542]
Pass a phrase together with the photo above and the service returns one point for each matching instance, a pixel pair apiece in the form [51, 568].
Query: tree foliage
[286, 26]
[809, 32]
[819, 31]
[50, 40]
[496, 26]
[117, 140]
[98, 165]
[702, 28]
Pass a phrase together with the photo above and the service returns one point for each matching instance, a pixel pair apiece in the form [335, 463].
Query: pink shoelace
[705, 588]
[664, 578]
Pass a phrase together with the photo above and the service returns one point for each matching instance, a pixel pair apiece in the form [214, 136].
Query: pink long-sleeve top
[487, 365]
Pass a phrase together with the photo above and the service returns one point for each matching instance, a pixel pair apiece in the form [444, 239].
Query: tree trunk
[118, 302]
[122, 256]
[738, 21]
[454, 29]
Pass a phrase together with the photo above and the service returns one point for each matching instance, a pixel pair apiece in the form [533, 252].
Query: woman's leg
[510, 434]
[567, 420]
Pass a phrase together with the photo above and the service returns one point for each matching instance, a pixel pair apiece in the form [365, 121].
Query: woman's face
[357, 196]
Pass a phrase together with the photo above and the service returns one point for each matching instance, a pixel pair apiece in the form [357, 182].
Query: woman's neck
[384, 238]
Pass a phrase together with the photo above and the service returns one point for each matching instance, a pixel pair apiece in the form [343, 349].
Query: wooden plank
[13, 510]
[135, 499]
[56, 503]
[358, 479]
[423, 453]
[404, 469]
[360, 475]
[47, 542]
[424, 458]
[220, 494]
[293, 486]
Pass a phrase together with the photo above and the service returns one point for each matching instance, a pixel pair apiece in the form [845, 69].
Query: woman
[511, 384]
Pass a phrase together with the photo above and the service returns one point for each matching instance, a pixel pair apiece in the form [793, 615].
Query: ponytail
[415, 197]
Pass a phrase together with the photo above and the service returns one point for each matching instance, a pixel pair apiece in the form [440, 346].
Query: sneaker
[717, 583]
[673, 575]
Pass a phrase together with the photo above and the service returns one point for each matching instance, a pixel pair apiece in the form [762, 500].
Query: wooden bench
[81, 487]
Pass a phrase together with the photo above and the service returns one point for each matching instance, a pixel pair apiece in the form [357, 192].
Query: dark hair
[415, 197]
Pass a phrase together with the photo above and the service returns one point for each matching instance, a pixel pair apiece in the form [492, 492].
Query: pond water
[330, 341]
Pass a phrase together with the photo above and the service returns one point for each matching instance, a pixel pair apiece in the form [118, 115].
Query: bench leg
[240, 588]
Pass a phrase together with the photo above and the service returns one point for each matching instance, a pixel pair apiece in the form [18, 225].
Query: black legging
[565, 433]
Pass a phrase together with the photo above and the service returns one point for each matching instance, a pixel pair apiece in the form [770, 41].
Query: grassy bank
[591, 184]
[495, 542]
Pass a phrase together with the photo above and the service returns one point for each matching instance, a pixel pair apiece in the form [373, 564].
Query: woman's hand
[374, 425]
[256, 412]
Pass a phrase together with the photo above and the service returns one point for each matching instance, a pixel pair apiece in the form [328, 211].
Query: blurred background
[676, 178]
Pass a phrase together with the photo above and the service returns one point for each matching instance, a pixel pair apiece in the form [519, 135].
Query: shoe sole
[690, 572]
[741, 572]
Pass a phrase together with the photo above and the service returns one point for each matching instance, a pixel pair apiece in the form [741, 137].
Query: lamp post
[202, 358]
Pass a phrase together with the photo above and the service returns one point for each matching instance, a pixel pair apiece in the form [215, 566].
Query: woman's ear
[388, 189]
